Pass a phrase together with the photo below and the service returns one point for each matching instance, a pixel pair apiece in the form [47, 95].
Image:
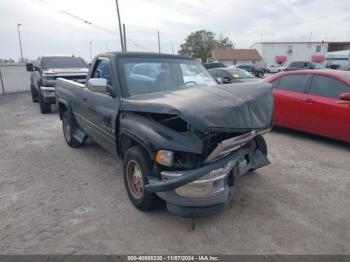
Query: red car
[314, 101]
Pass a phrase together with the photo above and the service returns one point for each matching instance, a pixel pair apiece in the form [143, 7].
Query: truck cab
[183, 138]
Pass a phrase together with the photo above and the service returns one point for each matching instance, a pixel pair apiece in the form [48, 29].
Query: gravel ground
[59, 200]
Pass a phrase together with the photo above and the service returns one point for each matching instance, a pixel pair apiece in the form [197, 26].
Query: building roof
[236, 54]
[302, 42]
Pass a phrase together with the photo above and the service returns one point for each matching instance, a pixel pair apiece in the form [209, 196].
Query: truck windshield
[151, 75]
[62, 62]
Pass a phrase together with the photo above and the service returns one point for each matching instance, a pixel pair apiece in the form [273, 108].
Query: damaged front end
[208, 188]
[206, 146]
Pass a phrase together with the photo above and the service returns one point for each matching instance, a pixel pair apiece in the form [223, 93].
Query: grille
[74, 77]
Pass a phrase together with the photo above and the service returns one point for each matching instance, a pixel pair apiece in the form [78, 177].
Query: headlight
[165, 157]
[48, 80]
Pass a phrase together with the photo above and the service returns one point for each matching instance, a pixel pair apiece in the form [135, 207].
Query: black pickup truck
[183, 138]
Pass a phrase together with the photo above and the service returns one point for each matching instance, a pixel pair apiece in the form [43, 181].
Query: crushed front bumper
[208, 189]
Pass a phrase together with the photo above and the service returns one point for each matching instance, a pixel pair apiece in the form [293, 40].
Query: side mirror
[98, 85]
[29, 67]
[345, 97]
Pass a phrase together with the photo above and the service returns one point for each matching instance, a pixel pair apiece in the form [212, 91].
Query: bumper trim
[231, 144]
[191, 175]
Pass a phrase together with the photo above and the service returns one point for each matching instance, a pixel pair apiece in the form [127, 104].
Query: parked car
[213, 65]
[253, 69]
[44, 73]
[275, 68]
[232, 75]
[302, 65]
[182, 141]
[314, 101]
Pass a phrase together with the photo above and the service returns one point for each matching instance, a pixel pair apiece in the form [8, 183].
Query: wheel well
[126, 142]
[61, 109]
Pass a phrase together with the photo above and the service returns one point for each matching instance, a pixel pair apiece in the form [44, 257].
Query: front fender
[155, 136]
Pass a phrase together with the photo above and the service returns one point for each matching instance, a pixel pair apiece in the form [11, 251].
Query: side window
[328, 87]
[318, 49]
[102, 70]
[293, 83]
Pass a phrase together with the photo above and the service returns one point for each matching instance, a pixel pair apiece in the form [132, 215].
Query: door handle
[308, 101]
[84, 99]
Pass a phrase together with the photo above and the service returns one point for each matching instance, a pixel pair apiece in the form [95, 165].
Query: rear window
[293, 83]
[62, 62]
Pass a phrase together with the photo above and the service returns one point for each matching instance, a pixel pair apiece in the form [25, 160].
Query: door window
[328, 87]
[102, 70]
[293, 83]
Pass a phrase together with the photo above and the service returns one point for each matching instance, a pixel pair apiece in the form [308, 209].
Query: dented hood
[235, 106]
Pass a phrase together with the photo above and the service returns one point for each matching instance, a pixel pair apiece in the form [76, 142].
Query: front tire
[67, 126]
[34, 94]
[137, 167]
[261, 144]
[45, 108]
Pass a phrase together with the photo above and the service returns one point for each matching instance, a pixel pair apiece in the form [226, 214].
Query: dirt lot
[55, 199]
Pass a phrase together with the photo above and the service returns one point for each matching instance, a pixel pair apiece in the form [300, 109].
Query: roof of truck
[143, 54]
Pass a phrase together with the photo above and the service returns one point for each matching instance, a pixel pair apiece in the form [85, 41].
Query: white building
[286, 52]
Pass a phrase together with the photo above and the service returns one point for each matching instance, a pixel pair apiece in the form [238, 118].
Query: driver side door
[100, 110]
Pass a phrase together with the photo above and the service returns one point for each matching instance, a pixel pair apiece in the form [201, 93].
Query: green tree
[200, 44]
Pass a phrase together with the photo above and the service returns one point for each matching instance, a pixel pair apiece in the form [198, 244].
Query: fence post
[2, 83]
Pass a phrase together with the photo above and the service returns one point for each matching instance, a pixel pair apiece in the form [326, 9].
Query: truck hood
[235, 106]
[59, 71]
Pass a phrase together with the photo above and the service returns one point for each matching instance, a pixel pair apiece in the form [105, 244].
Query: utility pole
[90, 43]
[120, 26]
[158, 42]
[20, 41]
[172, 48]
[124, 34]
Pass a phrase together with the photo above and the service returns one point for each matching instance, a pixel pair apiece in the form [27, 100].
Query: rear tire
[137, 167]
[45, 108]
[34, 94]
[67, 126]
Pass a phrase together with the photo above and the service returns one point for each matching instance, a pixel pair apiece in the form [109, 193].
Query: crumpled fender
[154, 136]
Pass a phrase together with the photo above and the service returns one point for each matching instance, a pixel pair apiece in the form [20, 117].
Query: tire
[34, 94]
[261, 144]
[67, 124]
[45, 108]
[260, 74]
[137, 167]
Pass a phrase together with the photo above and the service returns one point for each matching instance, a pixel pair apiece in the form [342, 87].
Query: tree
[200, 44]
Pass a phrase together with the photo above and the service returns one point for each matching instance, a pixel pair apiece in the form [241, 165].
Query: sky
[46, 29]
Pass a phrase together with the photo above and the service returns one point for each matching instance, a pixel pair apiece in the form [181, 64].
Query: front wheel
[261, 144]
[259, 74]
[34, 94]
[45, 108]
[137, 167]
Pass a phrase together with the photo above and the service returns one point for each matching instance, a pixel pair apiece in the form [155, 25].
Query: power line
[81, 19]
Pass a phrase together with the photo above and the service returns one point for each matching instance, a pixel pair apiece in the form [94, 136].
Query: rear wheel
[137, 167]
[45, 108]
[67, 126]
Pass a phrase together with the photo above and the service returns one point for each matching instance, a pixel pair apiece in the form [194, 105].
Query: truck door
[100, 110]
